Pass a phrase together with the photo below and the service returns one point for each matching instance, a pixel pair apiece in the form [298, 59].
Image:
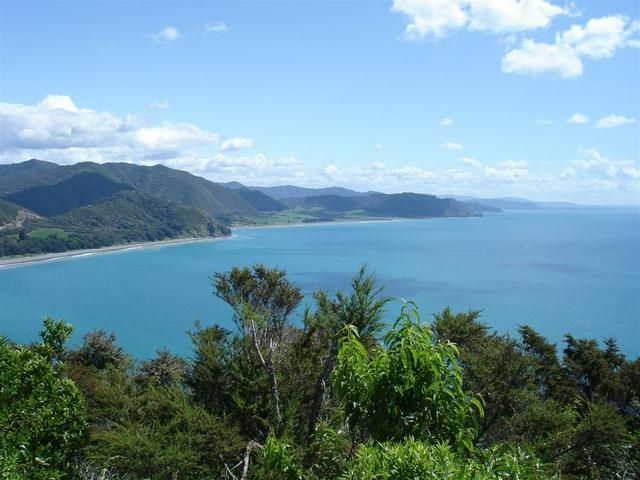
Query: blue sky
[335, 93]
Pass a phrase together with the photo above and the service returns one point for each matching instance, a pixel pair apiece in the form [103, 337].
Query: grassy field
[299, 215]
[47, 232]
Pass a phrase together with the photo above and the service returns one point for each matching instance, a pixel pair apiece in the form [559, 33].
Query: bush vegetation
[333, 397]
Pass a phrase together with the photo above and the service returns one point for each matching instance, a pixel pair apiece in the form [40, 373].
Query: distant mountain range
[285, 193]
[291, 191]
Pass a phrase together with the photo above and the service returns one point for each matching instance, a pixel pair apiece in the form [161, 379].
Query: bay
[560, 271]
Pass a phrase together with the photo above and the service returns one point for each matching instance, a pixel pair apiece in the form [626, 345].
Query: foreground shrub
[161, 434]
[413, 459]
[42, 424]
[413, 387]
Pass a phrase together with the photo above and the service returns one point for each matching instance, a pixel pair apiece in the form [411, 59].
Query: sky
[531, 98]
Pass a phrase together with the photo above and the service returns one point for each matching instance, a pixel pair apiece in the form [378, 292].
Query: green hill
[125, 217]
[160, 181]
[8, 212]
[136, 216]
[77, 191]
[409, 205]
[15, 177]
[261, 201]
[13, 216]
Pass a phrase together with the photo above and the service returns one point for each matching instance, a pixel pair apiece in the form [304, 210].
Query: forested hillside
[80, 205]
[77, 191]
[162, 182]
[125, 217]
[334, 395]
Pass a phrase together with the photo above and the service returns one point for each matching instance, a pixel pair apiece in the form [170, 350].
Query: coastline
[48, 257]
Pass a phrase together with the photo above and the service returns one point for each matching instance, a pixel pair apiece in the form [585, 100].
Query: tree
[412, 388]
[42, 422]
[362, 309]
[165, 370]
[98, 351]
[262, 300]
[413, 459]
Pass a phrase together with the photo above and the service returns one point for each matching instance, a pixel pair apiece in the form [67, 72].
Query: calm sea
[558, 271]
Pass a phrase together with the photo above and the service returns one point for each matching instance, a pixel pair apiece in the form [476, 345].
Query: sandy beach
[90, 251]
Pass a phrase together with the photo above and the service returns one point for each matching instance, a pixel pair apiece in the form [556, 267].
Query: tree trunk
[321, 384]
[274, 387]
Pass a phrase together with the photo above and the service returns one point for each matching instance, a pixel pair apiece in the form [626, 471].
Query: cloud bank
[599, 38]
[438, 18]
[58, 130]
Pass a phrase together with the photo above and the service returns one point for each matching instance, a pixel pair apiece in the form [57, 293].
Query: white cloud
[436, 18]
[379, 147]
[56, 129]
[591, 178]
[258, 169]
[597, 172]
[431, 18]
[599, 38]
[236, 143]
[217, 27]
[330, 169]
[160, 104]
[534, 58]
[452, 146]
[58, 102]
[508, 16]
[168, 34]
[614, 120]
[446, 121]
[544, 121]
[471, 161]
[578, 119]
[512, 164]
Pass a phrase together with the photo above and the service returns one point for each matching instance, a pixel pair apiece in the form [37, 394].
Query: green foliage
[413, 459]
[262, 299]
[8, 212]
[579, 412]
[77, 191]
[349, 404]
[361, 309]
[266, 291]
[276, 460]
[41, 233]
[163, 435]
[42, 423]
[165, 370]
[260, 201]
[413, 387]
[125, 217]
[98, 351]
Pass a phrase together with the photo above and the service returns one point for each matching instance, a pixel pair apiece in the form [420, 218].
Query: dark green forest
[327, 391]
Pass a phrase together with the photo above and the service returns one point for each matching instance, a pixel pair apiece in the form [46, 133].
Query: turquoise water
[559, 271]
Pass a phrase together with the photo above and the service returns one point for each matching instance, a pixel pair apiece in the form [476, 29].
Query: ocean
[559, 271]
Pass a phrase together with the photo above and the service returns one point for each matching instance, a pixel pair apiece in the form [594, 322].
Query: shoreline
[49, 257]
